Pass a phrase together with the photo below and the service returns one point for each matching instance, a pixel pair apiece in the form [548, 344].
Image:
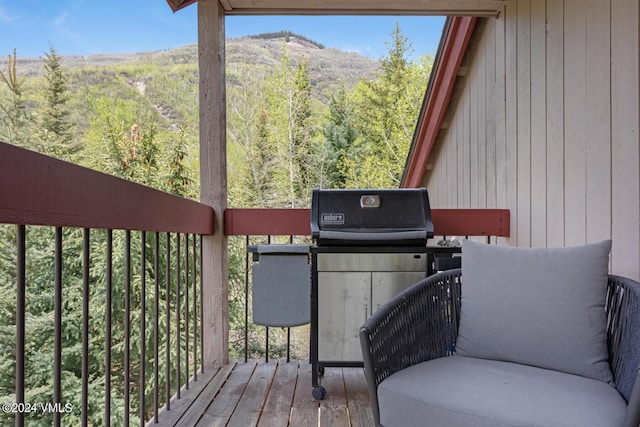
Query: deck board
[272, 395]
[222, 408]
[252, 401]
[358, 398]
[196, 410]
[333, 408]
[189, 398]
[277, 407]
[304, 412]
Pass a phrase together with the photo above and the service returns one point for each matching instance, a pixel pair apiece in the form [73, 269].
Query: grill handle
[393, 235]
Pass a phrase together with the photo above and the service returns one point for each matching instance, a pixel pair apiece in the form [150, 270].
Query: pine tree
[55, 134]
[386, 110]
[180, 180]
[339, 134]
[15, 118]
[302, 132]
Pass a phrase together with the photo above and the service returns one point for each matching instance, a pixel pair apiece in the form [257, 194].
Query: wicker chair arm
[419, 324]
[623, 333]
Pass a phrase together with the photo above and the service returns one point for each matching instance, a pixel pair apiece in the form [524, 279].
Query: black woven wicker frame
[421, 324]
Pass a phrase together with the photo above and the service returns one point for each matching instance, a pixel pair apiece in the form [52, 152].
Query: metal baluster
[143, 325]
[156, 332]
[85, 327]
[246, 302]
[167, 301]
[288, 344]
[21, 271]
[289, 328]
[186, 310]
[127, 327]
[195, 315]
[107, 356]
[201, 311]
[57, 327]
[266, 338]
[178, 276]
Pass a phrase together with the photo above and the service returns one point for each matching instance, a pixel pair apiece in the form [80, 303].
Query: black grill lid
[371, 217]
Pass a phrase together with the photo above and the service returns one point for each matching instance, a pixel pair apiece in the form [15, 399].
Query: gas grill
[369, 246]
[371, 217]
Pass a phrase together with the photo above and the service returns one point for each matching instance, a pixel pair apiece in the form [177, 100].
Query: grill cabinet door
[351, 286]
[344, 302]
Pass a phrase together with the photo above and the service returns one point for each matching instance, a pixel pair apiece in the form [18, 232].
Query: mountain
[166, 82]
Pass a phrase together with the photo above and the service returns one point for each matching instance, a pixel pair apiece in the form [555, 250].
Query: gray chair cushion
[542, 307]
[462, 391]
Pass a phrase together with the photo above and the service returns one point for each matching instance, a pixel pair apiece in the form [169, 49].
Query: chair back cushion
[536, 306]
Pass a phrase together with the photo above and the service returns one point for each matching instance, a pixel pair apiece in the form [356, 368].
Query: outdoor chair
[517, 337]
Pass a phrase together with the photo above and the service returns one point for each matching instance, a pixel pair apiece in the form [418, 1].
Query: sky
[87, 27]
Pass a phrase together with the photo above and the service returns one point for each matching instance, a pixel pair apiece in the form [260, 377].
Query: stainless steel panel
[372, 262]
[386, 285]
[344, 303]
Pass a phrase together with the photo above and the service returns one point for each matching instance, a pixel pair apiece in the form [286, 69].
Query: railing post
[213, 181]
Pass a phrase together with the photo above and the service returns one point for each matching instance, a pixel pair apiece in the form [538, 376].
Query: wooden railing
[146, 244]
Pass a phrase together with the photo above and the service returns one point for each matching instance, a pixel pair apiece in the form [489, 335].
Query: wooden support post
[213, 181]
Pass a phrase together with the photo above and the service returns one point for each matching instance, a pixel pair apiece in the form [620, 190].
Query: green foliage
[386, 110]
[15, 118]
[55, 129]
[340, 134]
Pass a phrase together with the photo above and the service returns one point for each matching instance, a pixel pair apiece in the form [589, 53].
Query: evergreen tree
[339, 134]
[302, 133]
[248, 130]
[55, 134]
[15, 118]
[180, 180]
[386, 111]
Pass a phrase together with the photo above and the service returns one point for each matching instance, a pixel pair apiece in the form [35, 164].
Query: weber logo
[332, 219]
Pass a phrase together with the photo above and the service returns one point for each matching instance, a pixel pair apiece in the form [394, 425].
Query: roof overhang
[453, 46]
[354, 7]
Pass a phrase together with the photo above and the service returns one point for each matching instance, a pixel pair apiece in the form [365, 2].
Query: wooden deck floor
[271, 394]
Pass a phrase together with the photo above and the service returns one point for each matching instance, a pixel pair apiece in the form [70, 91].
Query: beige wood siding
[545, 121]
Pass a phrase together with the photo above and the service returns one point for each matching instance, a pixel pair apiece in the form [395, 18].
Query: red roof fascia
[176, 5]
[437, 103]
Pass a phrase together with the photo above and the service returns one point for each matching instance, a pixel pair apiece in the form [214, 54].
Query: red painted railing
[39, 190]
[446, 222]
